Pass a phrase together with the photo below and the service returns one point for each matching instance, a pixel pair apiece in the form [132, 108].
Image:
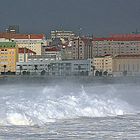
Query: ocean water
[69, 111]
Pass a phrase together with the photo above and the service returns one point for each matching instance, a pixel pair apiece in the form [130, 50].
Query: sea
[70, 110]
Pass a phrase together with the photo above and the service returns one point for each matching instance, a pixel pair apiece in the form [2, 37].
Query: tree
[28, 73]
[4, 69]
[43, 72]
[124, 73]
[97, 73]
[86, 73]
[24, 72]
[35, 68]
[100, 73]
[93, 69]
[105, 73]
[82, 73]
[9, 72]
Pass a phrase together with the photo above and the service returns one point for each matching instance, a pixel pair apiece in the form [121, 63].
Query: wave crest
[52, 103]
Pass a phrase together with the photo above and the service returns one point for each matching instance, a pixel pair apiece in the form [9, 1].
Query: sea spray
[37, 105]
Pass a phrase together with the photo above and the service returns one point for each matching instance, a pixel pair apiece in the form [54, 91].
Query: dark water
[108, 128]
[70, 111]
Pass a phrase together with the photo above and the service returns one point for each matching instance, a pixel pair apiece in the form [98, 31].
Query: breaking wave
[37, 105]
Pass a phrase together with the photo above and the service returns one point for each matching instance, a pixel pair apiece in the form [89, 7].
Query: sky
[97, 17]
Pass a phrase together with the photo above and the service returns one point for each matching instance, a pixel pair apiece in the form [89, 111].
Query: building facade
[24, 53]
[31, 67]
[66, 52]
[82, 48]
[8, 57]
[126, 65]
[71, 68]
[52, 52]
[117, 45]
[41, 58]
[35, 64]
[103, 64]
[62, 34]
[33, 42]
[55, 68]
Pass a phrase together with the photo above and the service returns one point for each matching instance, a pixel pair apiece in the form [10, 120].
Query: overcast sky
[98, 17]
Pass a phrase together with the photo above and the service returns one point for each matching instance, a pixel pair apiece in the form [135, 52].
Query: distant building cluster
[68, 54]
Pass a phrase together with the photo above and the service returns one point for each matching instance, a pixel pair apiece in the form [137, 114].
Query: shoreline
[57, 79]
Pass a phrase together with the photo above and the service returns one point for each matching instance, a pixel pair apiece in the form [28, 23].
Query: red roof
[127, 56]
[25, 50]
[125, 35]
[117, 39]
[52, 49]
[21, 36]
[86, 40]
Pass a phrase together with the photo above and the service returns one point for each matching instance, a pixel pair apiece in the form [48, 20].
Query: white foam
[50, 105]
[18, 119]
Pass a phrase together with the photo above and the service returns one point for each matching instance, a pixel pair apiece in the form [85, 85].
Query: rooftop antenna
[80, 32]
[136, 32]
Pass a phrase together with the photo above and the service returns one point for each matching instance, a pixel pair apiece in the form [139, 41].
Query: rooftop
[25, 50]
[7, 44]
[86, 40]
[21, 36]
[104, 56]
[117, 39]
[52, 49]
[127, 56]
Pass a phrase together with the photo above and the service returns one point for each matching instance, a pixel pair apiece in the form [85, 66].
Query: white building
[62, 34]
[71, 68]
[56, 68]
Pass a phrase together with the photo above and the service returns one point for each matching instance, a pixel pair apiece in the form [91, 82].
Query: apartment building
[117, 45]
[82, 48]
[103, 64]
[8, 57]
[29, 41]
